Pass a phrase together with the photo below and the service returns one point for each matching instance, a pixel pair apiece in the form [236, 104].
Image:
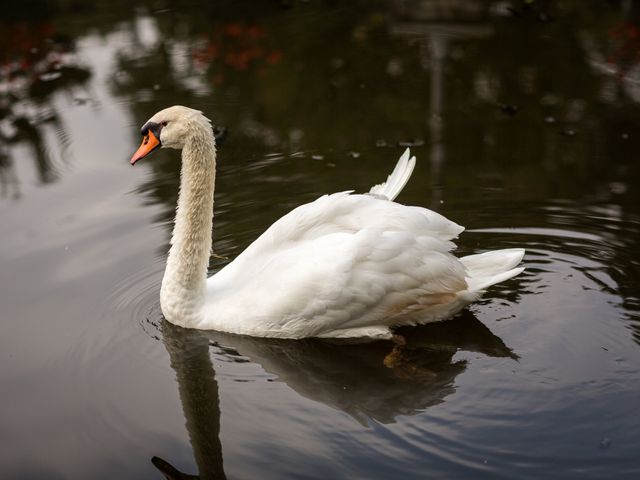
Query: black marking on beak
[154, 127]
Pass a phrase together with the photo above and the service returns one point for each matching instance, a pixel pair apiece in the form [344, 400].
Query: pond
[524, 117]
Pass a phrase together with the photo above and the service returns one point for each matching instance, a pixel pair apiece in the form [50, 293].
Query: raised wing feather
[397, 179]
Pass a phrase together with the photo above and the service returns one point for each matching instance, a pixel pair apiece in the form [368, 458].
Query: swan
[343, 266]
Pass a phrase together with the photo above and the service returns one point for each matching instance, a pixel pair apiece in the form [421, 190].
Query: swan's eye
[164, 124]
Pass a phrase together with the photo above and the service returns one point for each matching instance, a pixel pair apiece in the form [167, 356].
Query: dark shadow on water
[370, 381]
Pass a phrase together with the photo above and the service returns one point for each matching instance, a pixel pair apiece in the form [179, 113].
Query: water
[524, 118]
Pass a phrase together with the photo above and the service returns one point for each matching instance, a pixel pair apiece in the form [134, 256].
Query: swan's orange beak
[149, 143]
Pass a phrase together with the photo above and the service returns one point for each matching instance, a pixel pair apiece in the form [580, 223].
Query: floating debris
[509, 110]
[220, 133]
[514, 11]
[50, 76]
[569, 132]
[417, 142]
[337, 63]
[544, 17]
[605, 443]
[550, 119]
[381, 143]
[549, 99]
[317, 157]
[624, 136]
[354, 154]
[528, 10]
[618, 188]
[394, 67]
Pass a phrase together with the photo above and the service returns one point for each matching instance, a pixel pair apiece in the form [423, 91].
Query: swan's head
[169, 128]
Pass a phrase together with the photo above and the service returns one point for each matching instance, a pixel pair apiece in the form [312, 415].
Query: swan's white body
[344, 265]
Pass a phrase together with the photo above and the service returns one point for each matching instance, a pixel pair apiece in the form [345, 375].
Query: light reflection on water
[525, 131]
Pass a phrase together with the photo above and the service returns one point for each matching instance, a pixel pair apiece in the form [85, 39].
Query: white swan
[343, 265]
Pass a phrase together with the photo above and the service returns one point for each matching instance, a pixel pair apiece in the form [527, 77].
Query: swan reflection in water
[382, 381]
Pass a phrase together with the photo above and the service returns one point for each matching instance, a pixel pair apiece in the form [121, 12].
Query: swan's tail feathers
[486, 269]
[398, 178]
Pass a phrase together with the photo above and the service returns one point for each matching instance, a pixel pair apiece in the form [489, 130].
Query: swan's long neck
[183, 285]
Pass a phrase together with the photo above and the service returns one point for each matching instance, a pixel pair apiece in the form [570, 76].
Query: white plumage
[344, 265]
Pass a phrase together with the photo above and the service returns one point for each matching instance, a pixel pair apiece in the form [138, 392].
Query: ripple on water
[135, 292]
[129, 310]
[125, 339]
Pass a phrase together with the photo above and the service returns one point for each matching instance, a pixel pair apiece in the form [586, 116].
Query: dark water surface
[525, 119]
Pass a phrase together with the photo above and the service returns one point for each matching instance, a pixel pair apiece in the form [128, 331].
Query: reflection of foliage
[34, 63]
[236, 46]
[346, 69]
[20, 44]
[626, 52]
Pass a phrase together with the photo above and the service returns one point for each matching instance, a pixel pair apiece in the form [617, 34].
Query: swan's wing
[337, 263]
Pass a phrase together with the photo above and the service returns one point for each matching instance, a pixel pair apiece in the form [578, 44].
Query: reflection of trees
[361, 379]
[536, 56]
[340, 97]
[35, 62]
